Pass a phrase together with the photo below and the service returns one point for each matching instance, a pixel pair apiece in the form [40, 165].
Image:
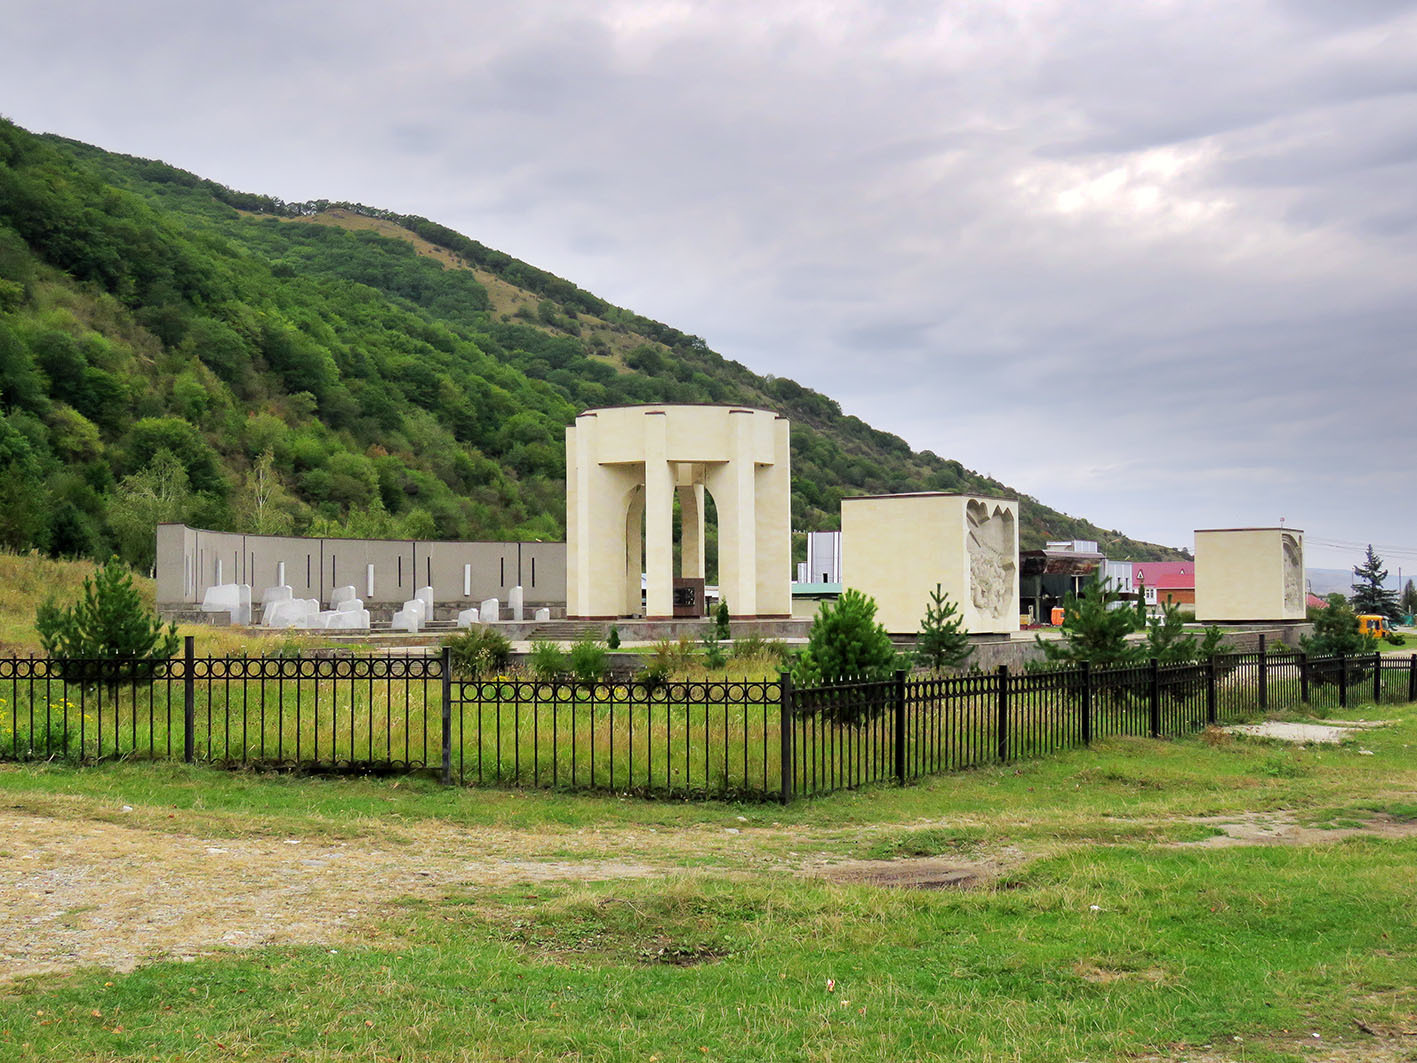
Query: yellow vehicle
[1372, 624]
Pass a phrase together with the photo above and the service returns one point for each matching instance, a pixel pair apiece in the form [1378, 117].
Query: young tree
[1168, 641]
[942, 641]
[109, 622]
[1369, 595]
[844, 643]
[1095, 629]
[264, 505]
[156, 493]
[1336, 632]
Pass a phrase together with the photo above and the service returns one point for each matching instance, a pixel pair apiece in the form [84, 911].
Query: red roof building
[1166, 581]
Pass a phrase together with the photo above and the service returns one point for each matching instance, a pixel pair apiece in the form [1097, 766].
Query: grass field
[1211, 898]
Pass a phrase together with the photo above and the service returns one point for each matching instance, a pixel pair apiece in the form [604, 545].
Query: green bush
[654, 675]
[109, 622]
[720, 621]
[714, 657]
[1336, 632]
[613, 639]
[845, 643]
[548, 661]
[588, 660]
[478, 651]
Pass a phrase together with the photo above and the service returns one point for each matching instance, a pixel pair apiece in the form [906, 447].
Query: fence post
[784, 722]
[1264, 675]
[899, 711]
[1342, 681]
[1303, 677]
[1087, 703]
[189, 700]
[1154, 696]
[1377, 677]
[1003, 722]
[1412, 678]
[1212, 678]
[447, 772]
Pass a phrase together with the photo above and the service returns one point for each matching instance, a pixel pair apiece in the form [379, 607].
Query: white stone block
[515, 600]
[295, 613]
[468, 617]
[223, 598]
[346, 619]
[350, 605]
[276, 594]
[542, 614]
[491, 611]
[425, 595]
[407, 619]
[341, 594]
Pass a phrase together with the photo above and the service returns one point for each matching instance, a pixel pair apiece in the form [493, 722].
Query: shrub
[714, 657]
[845, 643]
[613, 639]
[547, 660]
[720, 621]
[109, 622]
[654, 675]
[478, 651]
[588, 660]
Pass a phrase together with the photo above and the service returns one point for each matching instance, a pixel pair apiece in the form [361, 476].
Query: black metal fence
[756, 739]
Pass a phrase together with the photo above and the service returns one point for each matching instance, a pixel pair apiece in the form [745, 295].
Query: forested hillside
[173, 350]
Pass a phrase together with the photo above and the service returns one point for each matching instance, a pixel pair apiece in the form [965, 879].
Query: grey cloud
[1141, 260]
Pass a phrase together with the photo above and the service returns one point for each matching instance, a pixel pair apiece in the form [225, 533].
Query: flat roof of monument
[365, 539]
[930, 494]
[1279, 527]
[737, 407]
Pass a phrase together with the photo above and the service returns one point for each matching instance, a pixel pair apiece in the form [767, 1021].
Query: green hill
[173, 350]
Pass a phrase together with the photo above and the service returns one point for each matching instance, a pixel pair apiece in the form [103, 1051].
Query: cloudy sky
[1153, 262]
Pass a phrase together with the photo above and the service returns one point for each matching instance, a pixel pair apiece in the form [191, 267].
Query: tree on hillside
[157, 493]
[264, 505]
[1369, 594]
[1408, 603]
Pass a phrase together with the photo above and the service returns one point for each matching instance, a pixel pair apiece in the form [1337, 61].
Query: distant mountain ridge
[171, 349]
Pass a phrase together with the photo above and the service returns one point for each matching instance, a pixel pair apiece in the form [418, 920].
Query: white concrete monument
[515, 600]
[1249, 574]
[491, 611]
[897, 547]
[627, 464]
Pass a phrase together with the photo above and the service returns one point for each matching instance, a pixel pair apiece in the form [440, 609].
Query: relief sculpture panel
[993, 553]
[1293, 575]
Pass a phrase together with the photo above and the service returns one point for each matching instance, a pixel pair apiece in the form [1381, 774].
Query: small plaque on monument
[688, 597]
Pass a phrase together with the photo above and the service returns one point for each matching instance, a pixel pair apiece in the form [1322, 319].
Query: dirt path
[77, 892]
[1280, 829]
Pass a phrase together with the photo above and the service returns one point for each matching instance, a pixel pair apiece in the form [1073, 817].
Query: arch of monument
[627, 463]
